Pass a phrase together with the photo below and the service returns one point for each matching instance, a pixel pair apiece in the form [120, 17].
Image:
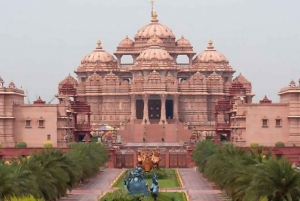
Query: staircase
[183, 133]
[126, 133]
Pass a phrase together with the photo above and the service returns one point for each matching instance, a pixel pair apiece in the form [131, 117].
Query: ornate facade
[155, 87]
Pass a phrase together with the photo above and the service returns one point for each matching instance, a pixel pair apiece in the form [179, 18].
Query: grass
[170, 182]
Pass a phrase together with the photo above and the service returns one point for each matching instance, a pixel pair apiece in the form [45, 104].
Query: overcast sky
[41, 42]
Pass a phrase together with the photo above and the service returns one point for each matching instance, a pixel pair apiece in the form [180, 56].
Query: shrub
[208, 137]
[279, 144]
[254, 144]
[72, 144]
[21, 145]
[162, 174]
[48, 144]
[0, 145]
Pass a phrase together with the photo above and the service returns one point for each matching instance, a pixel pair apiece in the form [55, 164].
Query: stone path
[95, 187]
[197, 187]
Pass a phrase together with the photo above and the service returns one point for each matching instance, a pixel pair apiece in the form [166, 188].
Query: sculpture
[135, 183]
[148, 159]
[154, 187]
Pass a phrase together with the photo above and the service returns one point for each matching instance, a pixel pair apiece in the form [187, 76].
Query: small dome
[127, 42]
[154, 29]
[154, 53]
[99, 55]
[69, 79]
[11, 85]
[242, 79]
[214, 76]
[182, 42]
[94, 77]
[154, 41]
[210, 55]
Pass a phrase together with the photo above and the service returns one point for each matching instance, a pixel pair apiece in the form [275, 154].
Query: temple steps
[126, 133]
[154, 132]
[183, 133]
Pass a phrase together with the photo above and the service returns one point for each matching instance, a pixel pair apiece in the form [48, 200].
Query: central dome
[154, 29]
[154, 53]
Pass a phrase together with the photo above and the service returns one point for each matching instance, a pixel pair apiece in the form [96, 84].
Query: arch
[182, 59]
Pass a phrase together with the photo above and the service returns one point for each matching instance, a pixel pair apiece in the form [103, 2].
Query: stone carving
[135, 183]
[148, 159]
[154, 187]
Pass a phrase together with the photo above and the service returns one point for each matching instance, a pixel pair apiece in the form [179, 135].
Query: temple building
[155, 88]
[153, 99]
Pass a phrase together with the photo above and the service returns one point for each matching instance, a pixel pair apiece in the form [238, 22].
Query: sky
[41, 42]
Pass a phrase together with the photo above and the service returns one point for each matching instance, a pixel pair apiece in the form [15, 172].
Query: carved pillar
[216, 120]
[133, 107]
[190, 59]
[175, 106]
[146, 115]
[89, 119]
[163, 109]
[119, 60]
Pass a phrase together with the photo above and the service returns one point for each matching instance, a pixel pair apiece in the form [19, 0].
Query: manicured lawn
[170, 182]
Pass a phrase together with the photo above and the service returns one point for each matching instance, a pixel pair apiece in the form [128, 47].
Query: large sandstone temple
[155, 89]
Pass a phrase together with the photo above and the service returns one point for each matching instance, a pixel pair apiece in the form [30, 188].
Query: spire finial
[127, 37]
[210, 44]
[152, 5]
[99, 42]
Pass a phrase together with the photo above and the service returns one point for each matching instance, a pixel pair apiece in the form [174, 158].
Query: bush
[279, 144]
[0, 145]
[72, 144]
[254, 144]
[162, 174]
[21, 145]
[48, 144]
[208, 137]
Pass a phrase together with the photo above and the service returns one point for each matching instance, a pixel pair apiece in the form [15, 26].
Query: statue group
[136, 184]
[148, 159]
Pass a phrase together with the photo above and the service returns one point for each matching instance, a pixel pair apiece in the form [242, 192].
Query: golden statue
[148, 159]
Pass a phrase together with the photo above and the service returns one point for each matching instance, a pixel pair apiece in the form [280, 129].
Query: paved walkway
[95, 187]
[194, 185]
[197, 187]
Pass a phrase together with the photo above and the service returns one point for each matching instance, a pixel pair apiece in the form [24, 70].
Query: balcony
[83, 127]
[223, 126]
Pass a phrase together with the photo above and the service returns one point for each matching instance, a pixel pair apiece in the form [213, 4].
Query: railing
[82, 126]
[183, 65]
[125, 65]
[223, 125]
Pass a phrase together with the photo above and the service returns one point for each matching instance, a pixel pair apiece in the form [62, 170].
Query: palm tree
[49, 174]
[275, 180]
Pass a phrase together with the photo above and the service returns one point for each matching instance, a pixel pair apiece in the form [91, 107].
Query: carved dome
[242, 79]
[154, 41]
[154, 53]
[68, 80]
[182, 42]
[98, 55]
[127, 42]
[210, 55]
[11, 85]
[214, 76]
[154, 29]
[94, 77]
